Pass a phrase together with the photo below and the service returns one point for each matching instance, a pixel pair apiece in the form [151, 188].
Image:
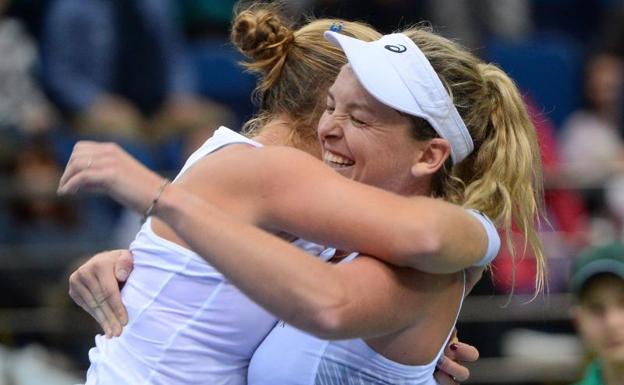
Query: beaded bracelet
[149, 210]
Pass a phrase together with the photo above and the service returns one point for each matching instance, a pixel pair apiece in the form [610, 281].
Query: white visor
[396, 72]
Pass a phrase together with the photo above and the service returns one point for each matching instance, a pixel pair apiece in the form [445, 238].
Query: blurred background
[157, 76]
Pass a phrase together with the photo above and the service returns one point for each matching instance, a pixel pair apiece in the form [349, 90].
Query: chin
[615, 354]
[345, 171]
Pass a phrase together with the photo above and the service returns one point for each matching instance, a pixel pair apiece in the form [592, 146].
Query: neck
[279, 132]
[613, 373]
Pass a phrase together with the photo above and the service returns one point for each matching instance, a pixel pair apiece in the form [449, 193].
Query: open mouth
[336, 161]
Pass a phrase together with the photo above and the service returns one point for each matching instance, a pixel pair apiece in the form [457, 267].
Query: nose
[330, 127]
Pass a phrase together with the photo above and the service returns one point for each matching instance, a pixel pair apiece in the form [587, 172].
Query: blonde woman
[352, 300]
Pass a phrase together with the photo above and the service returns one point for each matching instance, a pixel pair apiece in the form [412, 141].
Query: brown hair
[295, 66]
[502, 177]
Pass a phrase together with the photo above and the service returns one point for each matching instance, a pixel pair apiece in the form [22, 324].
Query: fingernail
[453, 347]
[122, 274]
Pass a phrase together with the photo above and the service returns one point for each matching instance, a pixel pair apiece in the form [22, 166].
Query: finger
[464, 352]
[443, 378]
[458, 372]
[86, 180]
[83, 156]
[83, 297]
[77, 293]
[105, 292]
[90, 297]
[77, 166]
[80, 152]
[70, 169]
[108, 330]
[115, 324]
[109, 297]
[123, 265]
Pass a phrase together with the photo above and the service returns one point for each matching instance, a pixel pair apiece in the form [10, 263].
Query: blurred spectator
[467, 21]
[590, 140]
[385, 15]
[24, 111]
[207, 17]
[118, 69]
[592, 145]
[471, 21]
[597, 282]
[36, 213]
[25, 114]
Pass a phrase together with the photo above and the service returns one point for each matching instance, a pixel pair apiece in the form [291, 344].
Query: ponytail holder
[336, 27]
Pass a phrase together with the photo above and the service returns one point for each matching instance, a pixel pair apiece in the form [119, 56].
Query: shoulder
[259, 171]
[277, 162]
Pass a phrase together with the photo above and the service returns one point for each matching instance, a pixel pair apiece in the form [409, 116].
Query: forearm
[419, 232]
[422, 233]
[286, 281]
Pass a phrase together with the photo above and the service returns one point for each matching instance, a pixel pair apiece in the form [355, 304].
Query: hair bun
[261, 35]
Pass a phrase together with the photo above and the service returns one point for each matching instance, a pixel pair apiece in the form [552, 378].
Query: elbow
[418, 251]
[329, 317]
[331, 324]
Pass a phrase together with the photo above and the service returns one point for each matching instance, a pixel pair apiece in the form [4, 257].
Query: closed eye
[357, 122]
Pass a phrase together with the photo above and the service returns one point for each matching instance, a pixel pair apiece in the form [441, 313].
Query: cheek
[591, 329]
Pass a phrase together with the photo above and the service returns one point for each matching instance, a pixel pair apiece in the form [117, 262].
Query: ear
[431, 157]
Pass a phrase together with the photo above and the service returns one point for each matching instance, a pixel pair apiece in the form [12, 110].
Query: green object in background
[593, 375]
[207, 11]
[607, 258]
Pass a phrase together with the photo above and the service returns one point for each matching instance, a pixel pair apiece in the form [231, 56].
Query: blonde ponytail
[502, 177]
[511, 182]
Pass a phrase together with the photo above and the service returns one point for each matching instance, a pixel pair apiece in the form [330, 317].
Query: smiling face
[367, 141]
[600, 318]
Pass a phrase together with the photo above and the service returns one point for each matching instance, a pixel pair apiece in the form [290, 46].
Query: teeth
[337, 159]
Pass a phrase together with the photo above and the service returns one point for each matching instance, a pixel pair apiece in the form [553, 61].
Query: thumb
[123, 265]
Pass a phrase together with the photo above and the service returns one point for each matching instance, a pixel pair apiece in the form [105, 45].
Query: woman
[213, 360]
[432, 153]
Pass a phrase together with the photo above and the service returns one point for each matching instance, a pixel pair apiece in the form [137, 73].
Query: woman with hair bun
[188, 324]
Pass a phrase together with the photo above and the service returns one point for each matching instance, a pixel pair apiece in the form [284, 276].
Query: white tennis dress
[289, 356]
[187, 323]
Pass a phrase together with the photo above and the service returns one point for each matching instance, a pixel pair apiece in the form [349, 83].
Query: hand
[96, 287]
[189, 115]
[450, 371]
[107, 168]
[112, 114]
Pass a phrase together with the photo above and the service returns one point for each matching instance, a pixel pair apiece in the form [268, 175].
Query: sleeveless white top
[187, 323]
[289, 356]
